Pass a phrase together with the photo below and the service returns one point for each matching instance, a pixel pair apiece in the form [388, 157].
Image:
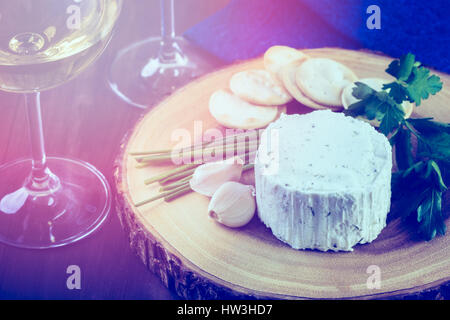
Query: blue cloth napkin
[246, 28]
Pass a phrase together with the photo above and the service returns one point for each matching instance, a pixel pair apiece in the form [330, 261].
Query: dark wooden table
[83, 119]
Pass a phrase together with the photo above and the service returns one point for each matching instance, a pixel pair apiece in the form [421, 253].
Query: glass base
[141, 77]
[72, 211]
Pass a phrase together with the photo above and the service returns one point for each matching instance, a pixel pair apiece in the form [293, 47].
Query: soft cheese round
[323, 180]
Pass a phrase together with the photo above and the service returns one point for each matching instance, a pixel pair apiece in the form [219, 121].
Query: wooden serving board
[201, 259]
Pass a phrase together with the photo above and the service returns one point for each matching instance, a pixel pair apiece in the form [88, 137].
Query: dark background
[83, 119]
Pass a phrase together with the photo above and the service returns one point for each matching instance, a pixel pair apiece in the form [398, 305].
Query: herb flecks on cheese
[332, 188]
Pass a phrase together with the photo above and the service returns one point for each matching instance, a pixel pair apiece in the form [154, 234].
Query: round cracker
[323, 80]
[277, 57]
[287, 76]
[259, 87]
[233, 112]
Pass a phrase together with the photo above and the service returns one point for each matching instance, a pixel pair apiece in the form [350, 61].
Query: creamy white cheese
[328, 187]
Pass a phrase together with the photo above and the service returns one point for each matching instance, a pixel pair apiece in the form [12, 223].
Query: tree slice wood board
[201, 259]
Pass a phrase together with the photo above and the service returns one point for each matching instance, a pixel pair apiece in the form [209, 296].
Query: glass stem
[168, 46]
[41, 179]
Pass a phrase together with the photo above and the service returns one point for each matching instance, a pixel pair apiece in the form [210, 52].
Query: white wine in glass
[149, 70]
[45, 201]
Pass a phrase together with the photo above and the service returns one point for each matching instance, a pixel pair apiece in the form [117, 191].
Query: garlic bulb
[208, 177]
[233, 204]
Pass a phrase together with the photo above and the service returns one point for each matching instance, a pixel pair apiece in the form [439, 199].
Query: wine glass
[50, 201]
[151, 69]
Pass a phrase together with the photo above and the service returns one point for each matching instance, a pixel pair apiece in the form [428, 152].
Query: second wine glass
[147, 71]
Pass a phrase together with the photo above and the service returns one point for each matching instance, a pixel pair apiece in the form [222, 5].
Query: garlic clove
[233, 204]
[208, 177]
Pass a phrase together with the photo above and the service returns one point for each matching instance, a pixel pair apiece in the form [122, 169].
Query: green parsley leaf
[374, 108]
[429, 215]
[419, 185]
[397, 91]
[356, 109]
[402, 147]
[435, 146]
[439, 182]
[393, 116]
[434, 138]
[362, 91]
[418, 190]
[422, 85]
[428, 126]
[401, 69]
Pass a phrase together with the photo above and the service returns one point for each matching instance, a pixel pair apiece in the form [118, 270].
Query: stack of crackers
[257, 97]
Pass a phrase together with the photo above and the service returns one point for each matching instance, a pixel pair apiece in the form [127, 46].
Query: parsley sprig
[418, 185]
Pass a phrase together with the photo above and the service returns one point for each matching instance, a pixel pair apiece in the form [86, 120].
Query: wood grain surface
[199, 258]
[85, 120]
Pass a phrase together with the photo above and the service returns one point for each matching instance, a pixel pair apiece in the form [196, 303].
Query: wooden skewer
[200, 145]
[159, 196]
[175, 184]
[199, 154]
[170, 173]
[177, 176]
[178, 194]
[198, 157]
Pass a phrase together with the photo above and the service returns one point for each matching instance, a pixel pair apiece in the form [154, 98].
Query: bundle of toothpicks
[174, 183]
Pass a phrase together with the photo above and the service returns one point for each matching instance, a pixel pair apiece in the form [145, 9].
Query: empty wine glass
[50, 201]
[151, 69]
